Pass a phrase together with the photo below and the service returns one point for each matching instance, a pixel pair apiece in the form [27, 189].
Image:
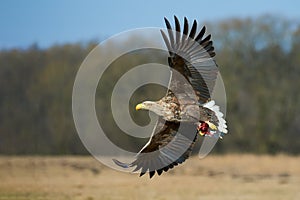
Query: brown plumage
[187, 108]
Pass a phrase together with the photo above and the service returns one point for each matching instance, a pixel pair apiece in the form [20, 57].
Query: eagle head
[152, 106]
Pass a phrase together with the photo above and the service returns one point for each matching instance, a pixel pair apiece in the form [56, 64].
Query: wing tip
[121, 164]
[151, 174]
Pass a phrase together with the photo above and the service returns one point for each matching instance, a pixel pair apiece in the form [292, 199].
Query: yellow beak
[139, 106]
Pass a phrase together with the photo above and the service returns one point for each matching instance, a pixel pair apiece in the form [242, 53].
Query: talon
[201, 133]
[211, 125]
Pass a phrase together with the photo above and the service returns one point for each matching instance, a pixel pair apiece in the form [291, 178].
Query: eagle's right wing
[165, 149]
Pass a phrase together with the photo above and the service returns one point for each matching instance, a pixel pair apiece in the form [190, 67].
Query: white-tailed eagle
[183, 112]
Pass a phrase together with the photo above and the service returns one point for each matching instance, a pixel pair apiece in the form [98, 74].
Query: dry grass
[215, 177]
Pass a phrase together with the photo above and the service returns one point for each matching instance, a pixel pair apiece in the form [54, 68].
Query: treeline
[259, 60]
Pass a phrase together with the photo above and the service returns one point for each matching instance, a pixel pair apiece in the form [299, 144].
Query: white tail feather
[222, 127]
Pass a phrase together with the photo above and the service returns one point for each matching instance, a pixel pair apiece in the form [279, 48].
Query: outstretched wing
[192, 56]
[166, 148]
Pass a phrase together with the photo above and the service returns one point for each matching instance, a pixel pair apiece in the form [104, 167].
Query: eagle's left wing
[192, 56]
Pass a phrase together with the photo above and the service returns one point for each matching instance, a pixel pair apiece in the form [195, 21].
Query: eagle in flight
[187, 109]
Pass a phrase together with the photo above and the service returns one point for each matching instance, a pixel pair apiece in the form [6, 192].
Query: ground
[214, 177]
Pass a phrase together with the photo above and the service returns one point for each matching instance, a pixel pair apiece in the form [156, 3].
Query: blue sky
[62, 21]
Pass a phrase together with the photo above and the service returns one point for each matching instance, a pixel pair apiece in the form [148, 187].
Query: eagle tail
[222, 127]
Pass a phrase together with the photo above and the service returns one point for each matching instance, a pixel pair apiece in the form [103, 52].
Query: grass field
[214, 177]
